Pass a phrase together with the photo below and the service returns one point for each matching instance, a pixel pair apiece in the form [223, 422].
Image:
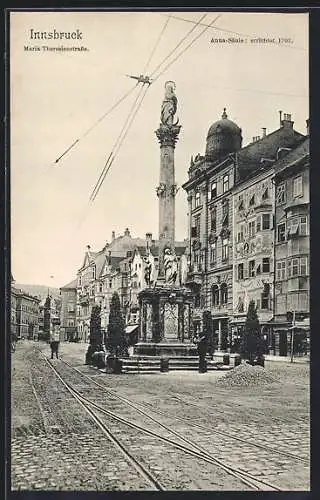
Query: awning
[301, 325]
[131, 328]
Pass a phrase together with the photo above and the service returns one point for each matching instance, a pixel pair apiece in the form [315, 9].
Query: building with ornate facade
[231, 224]
[24, 314]
[119, 267]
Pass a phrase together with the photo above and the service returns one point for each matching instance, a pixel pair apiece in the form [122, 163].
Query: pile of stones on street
[246, 375]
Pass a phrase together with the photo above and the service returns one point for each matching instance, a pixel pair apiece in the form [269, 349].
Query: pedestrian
[54, 344]
[202, 347]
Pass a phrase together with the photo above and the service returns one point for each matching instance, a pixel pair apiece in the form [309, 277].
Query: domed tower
[224, 137]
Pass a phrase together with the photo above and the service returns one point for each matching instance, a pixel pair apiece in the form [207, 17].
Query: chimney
[307, 122]
[88, 248]
[113, 235]
[129, 254]
[264, 131]
[149, 237]
[256, 138]
[127, 232]
[286, 122]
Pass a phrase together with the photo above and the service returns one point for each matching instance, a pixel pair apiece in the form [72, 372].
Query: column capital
[168, 134]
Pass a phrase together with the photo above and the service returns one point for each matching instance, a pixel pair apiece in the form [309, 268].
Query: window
[258, 223]
[293, 267]
[303, 226]
[100, 287]
[252, 201]
[79, 280]
[281, 193]
[240, 233]
[196, 227]
[240, 272]
[225, 207]
[93, 271]
[281, 232]
[266, 265]
[265, 194]
[251, 268]
[224, 293]
[266, 221]
[213, 190]
[225, 183]
[297, 186]
[303, 266]
[197, 199]
[213, 253]
[71, 307]
[215, 295]
[70, 322]
[293, 227]
[265, 297]
[110, 283]
[252, 227]
[225, 249]
[241, 205]
[196, 257]
[213, 219]
[281, 270]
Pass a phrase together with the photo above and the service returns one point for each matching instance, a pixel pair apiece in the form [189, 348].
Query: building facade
[119, 267]
[253, 250]
[26, 310]
[68, 311]
[292, 251]
[231, 198]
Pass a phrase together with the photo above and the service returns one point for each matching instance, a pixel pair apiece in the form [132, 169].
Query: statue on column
[169, 105]
[147, 269]
[170, 266]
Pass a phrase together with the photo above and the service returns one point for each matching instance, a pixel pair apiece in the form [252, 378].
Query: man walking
[54, 344]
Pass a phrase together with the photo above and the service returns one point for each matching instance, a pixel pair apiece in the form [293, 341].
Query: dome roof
[224, 137]
[224, 125]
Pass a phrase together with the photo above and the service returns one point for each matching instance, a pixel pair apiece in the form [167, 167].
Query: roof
[224, 125]
[299, 153]
[249, 157]
[72, 284]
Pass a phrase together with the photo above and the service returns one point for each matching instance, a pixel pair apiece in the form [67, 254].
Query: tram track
[195, 451]
[137, 407]
[189, 448]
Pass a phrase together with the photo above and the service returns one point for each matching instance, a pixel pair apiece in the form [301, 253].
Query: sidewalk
[287, 359]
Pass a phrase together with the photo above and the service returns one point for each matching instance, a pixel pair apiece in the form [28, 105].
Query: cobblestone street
[263, 431]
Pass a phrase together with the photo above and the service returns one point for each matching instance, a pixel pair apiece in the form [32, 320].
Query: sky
[57, 96]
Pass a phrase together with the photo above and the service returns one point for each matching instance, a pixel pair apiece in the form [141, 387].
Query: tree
[95, 326]
[116, 340]
[252, 343]
[95, 333]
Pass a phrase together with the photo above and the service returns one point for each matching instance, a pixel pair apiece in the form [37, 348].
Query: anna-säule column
[167, 134]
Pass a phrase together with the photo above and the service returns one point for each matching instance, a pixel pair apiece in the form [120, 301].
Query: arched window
[224, 293]
[215, 295]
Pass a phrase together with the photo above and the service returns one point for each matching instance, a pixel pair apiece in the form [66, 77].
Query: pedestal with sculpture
[166, 308]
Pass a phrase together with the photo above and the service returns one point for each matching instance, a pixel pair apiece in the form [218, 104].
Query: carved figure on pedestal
[147, 269]
[169, 105]
[170, 266]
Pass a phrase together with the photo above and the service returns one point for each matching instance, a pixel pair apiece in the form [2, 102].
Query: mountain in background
[39, 290]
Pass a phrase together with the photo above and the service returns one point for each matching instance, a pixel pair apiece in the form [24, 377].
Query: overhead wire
[111, 159]
[135, 107]
[179, 43]
[187, 47]
[119, 101]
